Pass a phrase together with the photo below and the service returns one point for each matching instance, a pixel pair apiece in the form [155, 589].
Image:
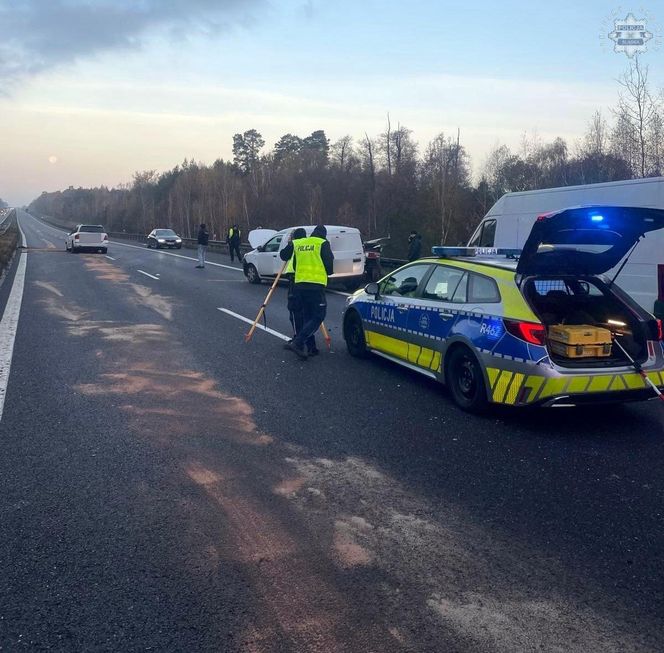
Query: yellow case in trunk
[579, 334]
[580, 351]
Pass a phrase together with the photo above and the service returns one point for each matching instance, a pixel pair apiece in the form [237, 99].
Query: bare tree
[595, 141]
[635, 112]
[370, 167]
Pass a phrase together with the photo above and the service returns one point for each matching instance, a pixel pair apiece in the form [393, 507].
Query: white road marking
[277, 334]
[23, 245]
[339, 292]
[110, 258]
[9, 323]
[147, 274]
[188, 258]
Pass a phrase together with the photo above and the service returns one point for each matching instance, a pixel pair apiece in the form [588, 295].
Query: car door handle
[444, 315]
[402, 309]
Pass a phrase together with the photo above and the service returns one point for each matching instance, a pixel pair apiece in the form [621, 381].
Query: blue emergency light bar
[468, 252]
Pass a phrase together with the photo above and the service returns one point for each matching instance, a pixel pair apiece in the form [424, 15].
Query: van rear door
[348, 252]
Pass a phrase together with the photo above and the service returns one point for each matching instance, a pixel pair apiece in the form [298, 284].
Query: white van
[264, 261]
[510, 219]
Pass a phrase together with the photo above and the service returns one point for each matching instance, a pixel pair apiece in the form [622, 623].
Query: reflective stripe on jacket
[309, 267]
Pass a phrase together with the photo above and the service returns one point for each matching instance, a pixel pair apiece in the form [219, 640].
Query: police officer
[313, 261]
[233, 240]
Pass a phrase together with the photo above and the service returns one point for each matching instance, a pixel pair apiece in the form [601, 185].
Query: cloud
[38, 35]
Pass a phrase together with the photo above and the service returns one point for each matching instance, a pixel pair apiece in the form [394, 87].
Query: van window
[348, 242]
[485, 235]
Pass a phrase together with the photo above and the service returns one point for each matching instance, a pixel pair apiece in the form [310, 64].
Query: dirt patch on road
[298, 604]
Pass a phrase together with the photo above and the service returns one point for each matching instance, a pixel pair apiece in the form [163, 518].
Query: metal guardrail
[6, 220]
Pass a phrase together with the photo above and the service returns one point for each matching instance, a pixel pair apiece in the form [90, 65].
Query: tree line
[385, 184]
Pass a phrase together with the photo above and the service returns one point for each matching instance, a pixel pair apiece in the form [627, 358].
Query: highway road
[166, 486]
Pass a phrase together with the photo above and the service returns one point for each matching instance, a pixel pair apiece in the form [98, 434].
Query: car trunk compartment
[571, 306]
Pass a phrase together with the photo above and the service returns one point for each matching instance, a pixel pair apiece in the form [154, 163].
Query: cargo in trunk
[580, 315]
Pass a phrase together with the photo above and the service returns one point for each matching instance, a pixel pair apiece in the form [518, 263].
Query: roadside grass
[9, 240]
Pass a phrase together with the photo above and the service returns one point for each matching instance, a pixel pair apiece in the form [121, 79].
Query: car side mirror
[260, 248]
[372, 289]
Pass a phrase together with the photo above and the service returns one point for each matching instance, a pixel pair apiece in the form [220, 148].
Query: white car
[264, 261]
[91, 237]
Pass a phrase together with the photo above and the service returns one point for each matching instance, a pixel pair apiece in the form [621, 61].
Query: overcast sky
[91, 91]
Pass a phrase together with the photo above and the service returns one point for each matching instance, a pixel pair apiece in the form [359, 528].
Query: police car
[479, 320]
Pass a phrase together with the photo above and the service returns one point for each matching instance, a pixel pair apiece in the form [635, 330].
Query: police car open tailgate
[585, 240]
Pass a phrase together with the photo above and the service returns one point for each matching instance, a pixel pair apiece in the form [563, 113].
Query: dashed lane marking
[110, 258]
[188, 258]
[147, 274]
[276, 334]
[9, 322]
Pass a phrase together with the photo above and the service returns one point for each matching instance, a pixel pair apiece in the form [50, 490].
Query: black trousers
[235, 248]
[314, 308]
[295, 310]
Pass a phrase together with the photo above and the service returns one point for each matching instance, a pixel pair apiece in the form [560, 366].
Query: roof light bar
[468, 252]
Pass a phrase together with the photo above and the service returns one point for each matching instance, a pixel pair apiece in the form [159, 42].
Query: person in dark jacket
[233, 240]
[313, 262]
[203, 238]
[414, 246]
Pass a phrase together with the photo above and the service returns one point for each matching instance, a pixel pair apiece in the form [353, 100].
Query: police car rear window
[483, 289]
[446, 285]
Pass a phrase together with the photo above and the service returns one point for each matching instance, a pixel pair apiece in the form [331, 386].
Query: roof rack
[470, 252]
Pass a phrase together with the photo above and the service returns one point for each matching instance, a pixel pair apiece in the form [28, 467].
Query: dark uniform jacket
[203, 236]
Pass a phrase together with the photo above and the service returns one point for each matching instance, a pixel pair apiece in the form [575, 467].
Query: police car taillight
[531, 332]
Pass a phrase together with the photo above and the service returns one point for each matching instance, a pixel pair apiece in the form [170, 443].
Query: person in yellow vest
[233, 240]
[294, 304]
[313, 261]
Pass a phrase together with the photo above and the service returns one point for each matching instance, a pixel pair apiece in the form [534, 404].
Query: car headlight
[162, 240]
[178, 240]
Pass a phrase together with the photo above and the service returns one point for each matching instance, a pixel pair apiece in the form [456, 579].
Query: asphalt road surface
[165, 486]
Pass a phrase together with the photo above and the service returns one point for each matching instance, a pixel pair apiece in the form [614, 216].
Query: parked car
[486, 324]
[264, 262]
[164, 238]
[90, 237]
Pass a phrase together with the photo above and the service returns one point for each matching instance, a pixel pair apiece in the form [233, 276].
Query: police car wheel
[354, 336]
[465, 380]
